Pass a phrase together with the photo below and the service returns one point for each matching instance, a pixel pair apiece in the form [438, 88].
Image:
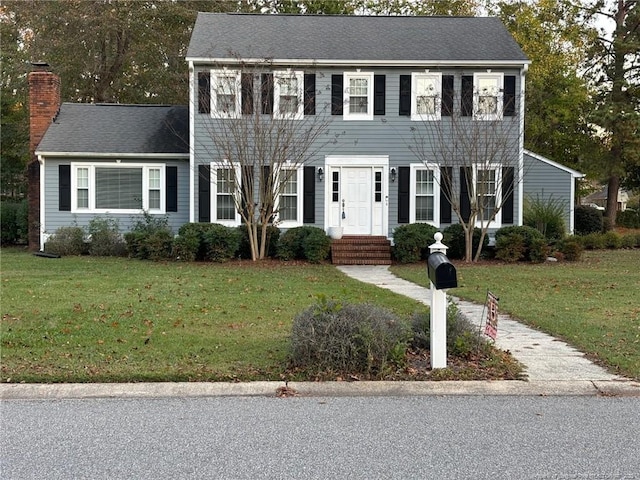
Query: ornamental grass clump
[331, 338]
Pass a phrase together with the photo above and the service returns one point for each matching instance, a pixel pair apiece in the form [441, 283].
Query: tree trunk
[612, 202]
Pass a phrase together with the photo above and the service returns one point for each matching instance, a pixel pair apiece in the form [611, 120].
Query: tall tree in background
[555, 37]
[616, 76]
[425, 7]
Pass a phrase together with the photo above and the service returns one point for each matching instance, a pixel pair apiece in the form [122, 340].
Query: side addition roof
[350, 39]
[107, 129]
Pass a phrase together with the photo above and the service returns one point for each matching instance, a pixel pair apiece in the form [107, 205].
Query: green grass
[593, 304]
[90, 319]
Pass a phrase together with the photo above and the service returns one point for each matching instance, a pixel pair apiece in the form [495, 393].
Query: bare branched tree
[474, 141]
[263, 125]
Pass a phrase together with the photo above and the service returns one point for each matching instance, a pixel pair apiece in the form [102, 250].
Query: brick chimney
[44, 102]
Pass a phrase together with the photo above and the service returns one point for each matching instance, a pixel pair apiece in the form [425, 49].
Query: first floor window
[289, 207]
[118, 188]
[488, 191]
[358, 97]
[425, 194]
[225, 190]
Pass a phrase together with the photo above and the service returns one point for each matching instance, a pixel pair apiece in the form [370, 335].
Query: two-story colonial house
[388, 96]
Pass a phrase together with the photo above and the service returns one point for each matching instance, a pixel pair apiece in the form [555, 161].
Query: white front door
[357, 198]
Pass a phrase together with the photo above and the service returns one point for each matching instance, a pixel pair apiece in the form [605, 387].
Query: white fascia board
[361, 62]
[157, 156]
[574, 173]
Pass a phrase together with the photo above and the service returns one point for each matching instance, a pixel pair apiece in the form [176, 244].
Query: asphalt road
[421, 437]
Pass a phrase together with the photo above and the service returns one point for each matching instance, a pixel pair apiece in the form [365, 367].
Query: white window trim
[497, 221]
[215, 74]
[415, 76]
[499, 77]
[299, 180]
[283, 74]
[347, 115]
[92, 188]
[214, 166]
[436, 192]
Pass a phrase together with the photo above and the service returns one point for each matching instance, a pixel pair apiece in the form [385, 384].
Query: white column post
[438, 330]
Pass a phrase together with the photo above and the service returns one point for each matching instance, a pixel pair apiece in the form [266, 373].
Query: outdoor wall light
[393, 174]
[320, 174]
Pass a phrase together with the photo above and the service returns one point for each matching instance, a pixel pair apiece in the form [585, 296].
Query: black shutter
[171, 179]
[247, 93]
[446, 176]
[309, 195]
[204, 193]
[267, 189]
[509, 97]
[204, 92]
[337, 94]
[64, 188]
[309, 93]
[466, 96]
[405, 95]
[508, 187]
[447, 96]
[404, 193]
[379, 90]
[466, 175]
[267, 93]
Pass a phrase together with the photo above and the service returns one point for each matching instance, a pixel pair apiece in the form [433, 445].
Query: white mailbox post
[438, 320]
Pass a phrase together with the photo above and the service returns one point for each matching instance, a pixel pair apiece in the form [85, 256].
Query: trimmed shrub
[271, 250]
[546, 216]
[628, 219]
[292, 243]
[529, 235]
[67, 241]
[105, 238]
[510, 247]
[453, 237]
[13, 222]
[587, 220]
[593, 241]
[222, 243]
[628, 240]
[539, 250]
[316, 246]
[612, 240]
[571, 248]
[411, 242]
[348, 339]
[150, 238]
[186, 246]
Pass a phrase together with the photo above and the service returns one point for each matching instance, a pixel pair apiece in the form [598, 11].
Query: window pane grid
[119, 188]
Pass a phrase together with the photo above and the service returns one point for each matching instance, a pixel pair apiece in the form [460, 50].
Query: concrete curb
[317, 389]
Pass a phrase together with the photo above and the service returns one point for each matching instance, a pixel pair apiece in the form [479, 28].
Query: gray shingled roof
[113, 128]
[334, 37]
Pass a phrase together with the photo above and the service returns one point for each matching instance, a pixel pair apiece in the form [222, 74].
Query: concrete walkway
[546, 358]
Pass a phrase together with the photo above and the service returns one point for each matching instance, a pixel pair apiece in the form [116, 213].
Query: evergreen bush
[529, 236]
[105, 238]
[13, 222]
[411, 242]
[221, 242]
[629, 218]
[571, 248]
[316, 246]
[292, 243]
[453, 237]
[150, 238]
[587, 220]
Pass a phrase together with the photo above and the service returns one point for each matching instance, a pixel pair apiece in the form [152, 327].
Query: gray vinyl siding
[54, 218]
[390, 134]
[546, 182]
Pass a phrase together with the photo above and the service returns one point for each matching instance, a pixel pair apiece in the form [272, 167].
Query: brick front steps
[361, 250]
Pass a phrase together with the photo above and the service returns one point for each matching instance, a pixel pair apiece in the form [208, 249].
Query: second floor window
[225, 93]
[358, 96]
[488, 96]
[426, 96]
[288, 95]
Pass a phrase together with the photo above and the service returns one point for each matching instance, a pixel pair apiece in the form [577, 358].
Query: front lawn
[593, 304]
[92, 319]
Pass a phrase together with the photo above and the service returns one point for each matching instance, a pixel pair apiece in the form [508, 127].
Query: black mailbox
[441, 272]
